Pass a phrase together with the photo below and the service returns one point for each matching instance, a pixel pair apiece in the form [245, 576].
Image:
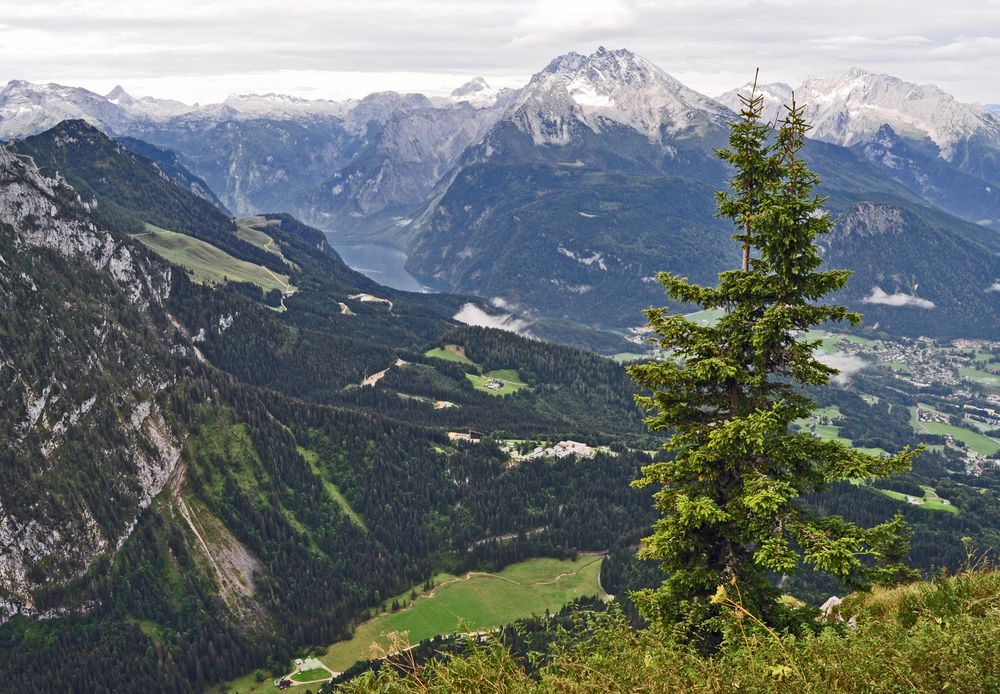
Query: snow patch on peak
[585, 94]
[617, 86]
[283, 106]
[476, 92]
[118, 95]
[851, 108]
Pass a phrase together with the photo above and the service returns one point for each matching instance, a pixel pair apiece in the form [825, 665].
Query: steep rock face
[48, 213]
[405, 157]
[73, 367]
[932, 178]
[26, 108]
[256, 164]
[917, 271]
[169, 162]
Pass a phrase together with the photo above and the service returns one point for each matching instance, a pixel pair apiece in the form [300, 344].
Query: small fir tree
[729, 393]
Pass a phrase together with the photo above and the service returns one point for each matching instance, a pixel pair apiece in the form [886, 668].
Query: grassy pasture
[311, 675]
[978, 376]
[509, 377]
[207, 264]
[626, 357]
[707, 316]
[931, 501]
[980, 443]
[453, 353]
[475, 602]
[332, 489]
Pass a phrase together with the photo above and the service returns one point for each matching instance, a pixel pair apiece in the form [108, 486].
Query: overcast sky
[203, 50]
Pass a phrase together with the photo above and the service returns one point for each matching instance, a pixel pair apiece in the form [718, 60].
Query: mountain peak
[476, 84]
[74, 130]
[116, 93]
[620, 61]
[851, 108]
[18, 84]
[477, 92]
[616, 85]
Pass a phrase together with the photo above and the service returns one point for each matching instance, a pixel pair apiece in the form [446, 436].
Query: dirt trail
[279, 280]
[187, 515]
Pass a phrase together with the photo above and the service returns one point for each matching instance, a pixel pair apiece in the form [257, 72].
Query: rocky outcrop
[70, 365]
[48, 213]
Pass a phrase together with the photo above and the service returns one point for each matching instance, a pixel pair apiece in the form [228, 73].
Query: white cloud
[552, 20]
[846, 364]
[413, 45]
[470, 314]
[878, 296]
[995, 287]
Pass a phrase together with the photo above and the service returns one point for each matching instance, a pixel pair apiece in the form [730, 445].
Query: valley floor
[472, 603]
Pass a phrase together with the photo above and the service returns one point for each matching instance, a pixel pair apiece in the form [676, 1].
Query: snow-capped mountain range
[388, 151]
[615, 85]
[567, 195]
[850, 109]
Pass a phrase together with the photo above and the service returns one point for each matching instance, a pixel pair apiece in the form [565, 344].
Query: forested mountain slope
[199, 482]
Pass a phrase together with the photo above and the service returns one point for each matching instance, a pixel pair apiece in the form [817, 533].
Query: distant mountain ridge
[597, 156]
[851, 110]
[371, 162]
[601, 173]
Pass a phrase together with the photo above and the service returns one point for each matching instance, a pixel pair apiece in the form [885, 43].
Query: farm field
[208, 264]
[472, 602]
[450, 353]
[475, 602]
[986, 377]
[980, 443]
[508, 377]
[931, 501]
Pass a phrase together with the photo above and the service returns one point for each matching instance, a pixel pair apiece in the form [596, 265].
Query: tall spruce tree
[729, 393]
